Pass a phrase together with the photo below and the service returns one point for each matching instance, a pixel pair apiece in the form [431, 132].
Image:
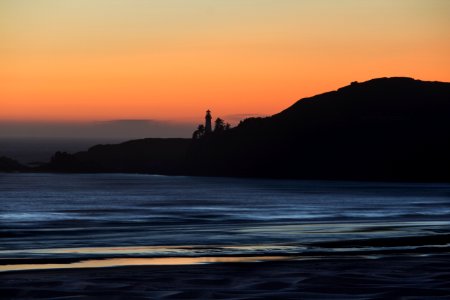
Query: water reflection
[117, 262]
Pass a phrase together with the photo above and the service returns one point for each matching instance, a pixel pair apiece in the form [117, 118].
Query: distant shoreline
[343, 180]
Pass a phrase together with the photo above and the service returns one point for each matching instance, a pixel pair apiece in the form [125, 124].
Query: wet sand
[411, 277]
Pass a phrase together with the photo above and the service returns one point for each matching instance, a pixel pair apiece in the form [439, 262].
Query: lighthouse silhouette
[208, 126]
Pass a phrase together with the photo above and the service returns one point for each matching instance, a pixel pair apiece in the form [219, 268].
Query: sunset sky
[96, 60]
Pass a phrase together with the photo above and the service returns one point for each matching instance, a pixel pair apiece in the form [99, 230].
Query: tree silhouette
[219, 125]
[199, 133]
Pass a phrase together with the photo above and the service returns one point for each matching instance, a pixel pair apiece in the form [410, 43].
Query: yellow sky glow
[172, 59]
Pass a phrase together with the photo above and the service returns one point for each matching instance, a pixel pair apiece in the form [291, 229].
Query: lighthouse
[208, 126]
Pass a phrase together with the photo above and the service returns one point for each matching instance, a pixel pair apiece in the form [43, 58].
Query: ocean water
[74, 217]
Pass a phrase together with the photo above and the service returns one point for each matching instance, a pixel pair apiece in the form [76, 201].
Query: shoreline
[376, 180]
[356, 278]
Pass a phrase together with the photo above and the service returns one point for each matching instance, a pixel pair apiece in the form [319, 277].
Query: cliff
[382, 129]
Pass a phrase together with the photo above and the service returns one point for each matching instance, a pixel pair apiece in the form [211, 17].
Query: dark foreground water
[48, 219]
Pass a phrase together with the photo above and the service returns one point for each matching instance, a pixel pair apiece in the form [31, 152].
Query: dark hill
[160, 156]
[382, 129]
[10, 165]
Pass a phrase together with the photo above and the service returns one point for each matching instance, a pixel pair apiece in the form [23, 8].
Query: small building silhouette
[208, 124]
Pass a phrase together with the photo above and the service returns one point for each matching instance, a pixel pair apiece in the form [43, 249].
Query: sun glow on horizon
[99, 60]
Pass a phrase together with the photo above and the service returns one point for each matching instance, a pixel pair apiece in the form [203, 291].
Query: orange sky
[172, 59]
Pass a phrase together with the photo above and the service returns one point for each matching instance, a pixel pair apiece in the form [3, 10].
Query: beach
[131, 236]
[406, 277]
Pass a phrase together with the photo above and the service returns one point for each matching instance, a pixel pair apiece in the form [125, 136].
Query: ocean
[65, 220]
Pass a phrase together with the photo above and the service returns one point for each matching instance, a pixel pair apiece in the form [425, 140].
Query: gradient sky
[78, 60]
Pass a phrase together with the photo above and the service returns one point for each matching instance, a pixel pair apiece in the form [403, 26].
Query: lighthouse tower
[208, 126]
